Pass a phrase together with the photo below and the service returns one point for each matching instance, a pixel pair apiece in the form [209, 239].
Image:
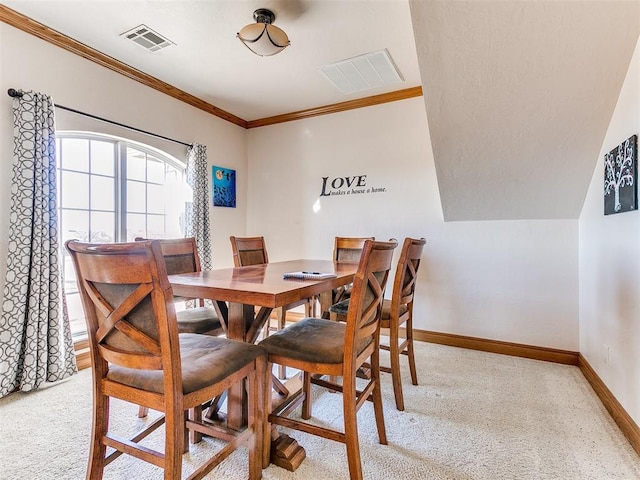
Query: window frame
[121, 146]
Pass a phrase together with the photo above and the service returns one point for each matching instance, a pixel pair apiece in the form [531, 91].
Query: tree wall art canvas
[621, 177]
[224, 187]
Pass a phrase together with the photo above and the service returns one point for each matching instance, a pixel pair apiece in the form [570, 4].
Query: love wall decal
[350, 185]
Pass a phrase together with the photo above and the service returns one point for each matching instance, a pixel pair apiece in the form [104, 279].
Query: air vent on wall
[147, 38]
[363, 72]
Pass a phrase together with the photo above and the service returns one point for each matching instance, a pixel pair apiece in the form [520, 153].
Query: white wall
[28, 63]
[514, 281]
[610, 267]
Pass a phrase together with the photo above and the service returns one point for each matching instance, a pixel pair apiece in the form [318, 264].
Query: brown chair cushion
[205, 361]
[386, 312]
[341, 309]
[198, 320]
[311, 340]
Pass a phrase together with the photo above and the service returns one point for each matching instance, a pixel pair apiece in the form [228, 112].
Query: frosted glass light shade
[263, 38]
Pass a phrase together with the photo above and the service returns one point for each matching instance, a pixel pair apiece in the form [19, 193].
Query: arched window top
[112, 138]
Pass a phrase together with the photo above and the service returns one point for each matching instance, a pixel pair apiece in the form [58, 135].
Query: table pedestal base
[286, 453]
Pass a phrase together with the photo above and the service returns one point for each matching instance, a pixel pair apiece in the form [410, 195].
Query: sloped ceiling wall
[519, 95]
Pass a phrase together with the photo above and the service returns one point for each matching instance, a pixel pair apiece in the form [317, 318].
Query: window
[113, 190]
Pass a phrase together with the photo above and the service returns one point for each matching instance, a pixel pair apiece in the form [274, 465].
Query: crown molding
[30, 26]
[338, 107]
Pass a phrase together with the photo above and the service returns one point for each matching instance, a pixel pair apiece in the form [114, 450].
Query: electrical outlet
[606, 354]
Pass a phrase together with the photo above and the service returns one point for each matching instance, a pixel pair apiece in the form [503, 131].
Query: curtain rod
[17, 93]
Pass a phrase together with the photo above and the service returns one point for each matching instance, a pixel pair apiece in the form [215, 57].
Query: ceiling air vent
[363, 72]
[147, 38]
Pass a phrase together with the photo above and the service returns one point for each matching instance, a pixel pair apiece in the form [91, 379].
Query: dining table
[245, 297]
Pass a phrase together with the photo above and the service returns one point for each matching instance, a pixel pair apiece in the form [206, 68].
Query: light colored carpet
[475, 415]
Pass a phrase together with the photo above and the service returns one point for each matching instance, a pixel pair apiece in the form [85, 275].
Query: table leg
[285, 451]
[240, 318]
[326, 300]
[243, 323]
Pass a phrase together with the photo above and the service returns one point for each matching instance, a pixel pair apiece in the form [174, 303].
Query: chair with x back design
[138, 356]
[320, 347]
[181, 256]
[397, 312]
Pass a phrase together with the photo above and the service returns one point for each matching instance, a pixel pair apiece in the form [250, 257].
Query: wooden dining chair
[181, 256]
[253, 251]
[345, 250]
[398, 312]
[138, 356]
[320, 347]
[248, 251]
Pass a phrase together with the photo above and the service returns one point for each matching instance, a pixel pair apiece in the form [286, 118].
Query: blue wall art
[224, 187]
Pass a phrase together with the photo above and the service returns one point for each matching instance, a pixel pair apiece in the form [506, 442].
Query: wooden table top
[263, 285]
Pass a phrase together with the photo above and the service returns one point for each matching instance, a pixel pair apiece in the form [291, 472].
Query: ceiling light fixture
[263, 38]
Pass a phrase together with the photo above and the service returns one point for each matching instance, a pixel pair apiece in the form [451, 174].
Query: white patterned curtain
[198, 225]
[35, 336]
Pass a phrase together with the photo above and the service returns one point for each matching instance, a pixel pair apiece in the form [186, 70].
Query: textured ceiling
[518, 93]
